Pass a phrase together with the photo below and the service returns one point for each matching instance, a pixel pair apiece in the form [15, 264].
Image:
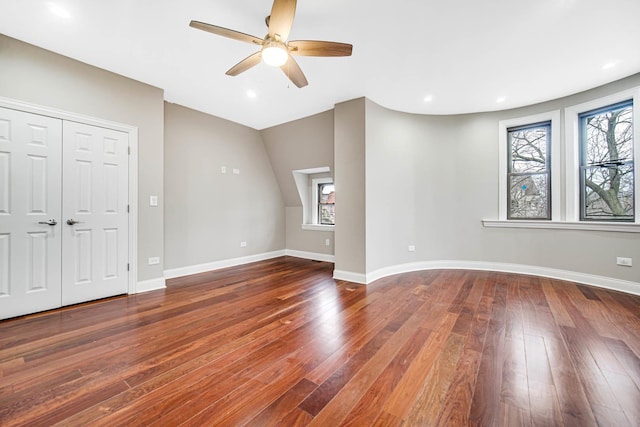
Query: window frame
[315, 183]
[554, 158]
[573, 173]
[319, 205]
[548, 164]
[583, 117]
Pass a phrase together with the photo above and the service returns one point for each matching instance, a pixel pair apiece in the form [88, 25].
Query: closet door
[95, 218]
[30, 210]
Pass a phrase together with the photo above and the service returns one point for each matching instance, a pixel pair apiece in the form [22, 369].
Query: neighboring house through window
[324, 201]
[529, 172]
[326, 204]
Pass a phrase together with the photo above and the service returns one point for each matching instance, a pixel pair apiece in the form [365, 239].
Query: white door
[30, 209]
[94, 218]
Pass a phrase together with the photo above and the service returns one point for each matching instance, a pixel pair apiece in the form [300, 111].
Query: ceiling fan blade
[225, 32]
[281, 18]
[294, 72]
[319, 48]
[245, 64]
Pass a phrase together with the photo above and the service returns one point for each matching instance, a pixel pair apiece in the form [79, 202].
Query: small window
[606, 163]
[529, 172]
[326, 204]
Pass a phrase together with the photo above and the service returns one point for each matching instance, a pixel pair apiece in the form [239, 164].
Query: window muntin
[529, 172]
[607, 163]
[326, 204]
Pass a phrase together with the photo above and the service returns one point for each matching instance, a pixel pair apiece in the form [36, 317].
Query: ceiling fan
[276, 50]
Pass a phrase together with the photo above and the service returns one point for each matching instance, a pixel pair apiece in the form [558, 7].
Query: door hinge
[129, 150]
[127, 266]
[128, 209]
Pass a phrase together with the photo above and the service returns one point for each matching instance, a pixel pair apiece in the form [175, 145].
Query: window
[529, 182]
[318, 209]
[607, 163]
[587, 180]
[326, 203]
[529, 172]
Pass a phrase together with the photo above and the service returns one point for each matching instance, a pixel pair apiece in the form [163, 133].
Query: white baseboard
[310, 255]
[150, 285]
[350, 276]
[216, 265]
[572, 276]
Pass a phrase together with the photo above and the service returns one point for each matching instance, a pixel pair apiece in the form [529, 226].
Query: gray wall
[349, 178]
[432, 179]
[208, 213]
[401, 179]
[302, 144]
[306, 240]
[34, 75]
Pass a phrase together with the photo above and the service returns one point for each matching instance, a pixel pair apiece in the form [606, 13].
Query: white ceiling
[461, 54]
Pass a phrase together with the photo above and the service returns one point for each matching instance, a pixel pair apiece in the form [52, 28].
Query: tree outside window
[529, 172]
[606, 163]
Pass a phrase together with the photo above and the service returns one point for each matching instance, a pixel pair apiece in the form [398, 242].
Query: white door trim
[133, 167]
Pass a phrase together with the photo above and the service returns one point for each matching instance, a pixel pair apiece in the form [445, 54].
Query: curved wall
[430, 180]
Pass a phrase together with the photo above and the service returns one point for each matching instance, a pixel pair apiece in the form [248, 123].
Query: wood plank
[370, 405]
[406, 392]
[485, 408]
[431, 397]
[283, 406]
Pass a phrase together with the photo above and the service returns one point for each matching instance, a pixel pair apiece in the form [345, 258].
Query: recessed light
[59, 11]
[609, 65]
[501, 99]
[428, 98]
[251, 94]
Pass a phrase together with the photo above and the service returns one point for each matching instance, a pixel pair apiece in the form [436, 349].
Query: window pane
[529, 149]
[327, 193]
[609, 136]
[529, 172]
[607, 163]
[328, 214]
[529, 196]
[608, 192]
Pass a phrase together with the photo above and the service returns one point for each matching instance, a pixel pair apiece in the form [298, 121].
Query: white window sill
[565, 225]
[318, 227]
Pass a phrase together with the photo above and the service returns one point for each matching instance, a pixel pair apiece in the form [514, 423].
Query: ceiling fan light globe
[274, 55]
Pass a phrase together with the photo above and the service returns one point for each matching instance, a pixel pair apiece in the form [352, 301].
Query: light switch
[153, 200]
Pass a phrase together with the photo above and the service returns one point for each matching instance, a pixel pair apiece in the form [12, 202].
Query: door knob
[72, 221]
[51, 222]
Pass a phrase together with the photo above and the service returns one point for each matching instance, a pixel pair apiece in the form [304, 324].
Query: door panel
[30, 193]
[95, 186]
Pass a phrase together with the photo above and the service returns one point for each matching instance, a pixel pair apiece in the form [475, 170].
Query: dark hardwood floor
[280, 342]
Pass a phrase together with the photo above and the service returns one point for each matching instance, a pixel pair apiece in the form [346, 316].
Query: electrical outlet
[412, 248]
[153, 200]
[243, 244]
[236, 171]
[223, 169]
[154, 260]
[627, 262]
[327, 242]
